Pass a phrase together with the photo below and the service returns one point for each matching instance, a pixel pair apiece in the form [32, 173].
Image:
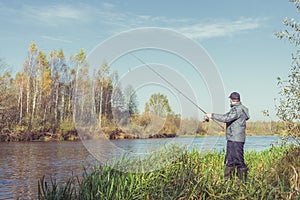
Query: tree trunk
[100, 108]
[20, 105]
[62, 110]
[56, 104]
[34, 102]
[28, 95]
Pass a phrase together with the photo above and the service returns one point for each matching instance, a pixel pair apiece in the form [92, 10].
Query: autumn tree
[29, 69]
[171, 125]
[59, 81]
[159, 105]
[145, 118]
[156, 114]
[20, 88]
[41, 95]
[83, 90]
[7, 98]
[103, 95]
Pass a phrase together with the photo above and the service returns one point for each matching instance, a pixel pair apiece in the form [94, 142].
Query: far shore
[74, 136]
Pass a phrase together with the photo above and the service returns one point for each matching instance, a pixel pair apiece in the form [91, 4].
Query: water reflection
[23, 164]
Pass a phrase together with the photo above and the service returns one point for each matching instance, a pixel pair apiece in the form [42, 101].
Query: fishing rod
[179, 91]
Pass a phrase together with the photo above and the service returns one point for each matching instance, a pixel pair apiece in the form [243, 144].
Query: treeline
[38, 102]
[266, 128]
[52, 92]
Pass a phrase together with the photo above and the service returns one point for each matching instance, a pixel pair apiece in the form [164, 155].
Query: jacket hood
[244, 109]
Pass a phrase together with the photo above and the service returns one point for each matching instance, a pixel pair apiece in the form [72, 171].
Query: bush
[67, 126]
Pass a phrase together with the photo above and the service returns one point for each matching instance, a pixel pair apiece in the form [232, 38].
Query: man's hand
[208, 115]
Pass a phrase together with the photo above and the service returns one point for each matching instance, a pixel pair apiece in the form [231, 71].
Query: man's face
[233, 101]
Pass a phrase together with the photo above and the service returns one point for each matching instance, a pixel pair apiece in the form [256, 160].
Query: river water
[23, 164]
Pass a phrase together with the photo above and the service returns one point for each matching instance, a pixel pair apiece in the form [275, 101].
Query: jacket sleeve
[228, 117]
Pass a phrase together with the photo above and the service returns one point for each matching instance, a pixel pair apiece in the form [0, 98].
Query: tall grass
[273, 174]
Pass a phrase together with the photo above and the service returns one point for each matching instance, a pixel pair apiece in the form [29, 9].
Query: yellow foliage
[47, 82]
[80, 56]
[32, 48]
[61, 54]
[42, 59]
[52, 54]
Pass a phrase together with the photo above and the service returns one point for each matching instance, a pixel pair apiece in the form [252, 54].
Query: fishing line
[173, 86]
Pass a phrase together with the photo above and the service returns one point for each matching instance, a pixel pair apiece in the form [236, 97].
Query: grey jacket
[235, 121]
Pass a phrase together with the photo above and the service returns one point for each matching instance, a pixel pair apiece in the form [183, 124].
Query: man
[235, 121]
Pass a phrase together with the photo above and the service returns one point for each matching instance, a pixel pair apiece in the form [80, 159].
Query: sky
[238, 36]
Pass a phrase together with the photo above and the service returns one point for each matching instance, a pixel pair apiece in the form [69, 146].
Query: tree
[145, 119]
[83, 90]
[118, 101]
[288, 109]
[159, 105]
[30, 72]
[7, 98]
[103, 93]
[59, 78]
[42, 92]
[131, 103]
[156, 113]
[20, 87]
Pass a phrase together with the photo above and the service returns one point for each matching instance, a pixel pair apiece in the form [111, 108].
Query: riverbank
[38, 136]
[116, 135]
[273, 174]
[109, 133]
[68, 132]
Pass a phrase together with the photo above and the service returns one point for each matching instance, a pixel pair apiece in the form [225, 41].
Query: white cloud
[108, 5]
[54, 14]
[110, 20]
[220, 28]
[80, 14]
[190, 27]
[57, 39]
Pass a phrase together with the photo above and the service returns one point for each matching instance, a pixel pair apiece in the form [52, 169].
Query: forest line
[43, 101]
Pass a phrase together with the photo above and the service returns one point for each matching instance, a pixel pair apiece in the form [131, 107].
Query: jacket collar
[236, 104]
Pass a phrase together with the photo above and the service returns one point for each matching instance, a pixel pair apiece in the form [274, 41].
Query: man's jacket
[235, 121]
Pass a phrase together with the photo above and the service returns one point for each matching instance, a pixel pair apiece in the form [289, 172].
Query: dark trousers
[235, 154]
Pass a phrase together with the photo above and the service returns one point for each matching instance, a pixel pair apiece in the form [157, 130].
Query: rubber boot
[242, 173]
[228, 172]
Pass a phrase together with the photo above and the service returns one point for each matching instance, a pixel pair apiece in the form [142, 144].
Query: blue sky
[237, 34]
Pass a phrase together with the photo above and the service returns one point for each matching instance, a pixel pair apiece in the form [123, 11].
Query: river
[23, 164]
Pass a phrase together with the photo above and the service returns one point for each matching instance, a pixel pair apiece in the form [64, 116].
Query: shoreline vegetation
[52, 93]
[112, 133]
[273, 174]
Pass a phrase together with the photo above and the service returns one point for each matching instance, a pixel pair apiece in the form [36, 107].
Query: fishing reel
[205, 119]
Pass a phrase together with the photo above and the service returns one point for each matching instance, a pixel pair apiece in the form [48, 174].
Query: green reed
[188, 175]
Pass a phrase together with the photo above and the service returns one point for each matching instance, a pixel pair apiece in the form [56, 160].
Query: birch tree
[102, 83]
[20, 88]
[29, 70]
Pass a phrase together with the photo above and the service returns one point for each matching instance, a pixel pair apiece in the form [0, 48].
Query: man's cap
[235, 96]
